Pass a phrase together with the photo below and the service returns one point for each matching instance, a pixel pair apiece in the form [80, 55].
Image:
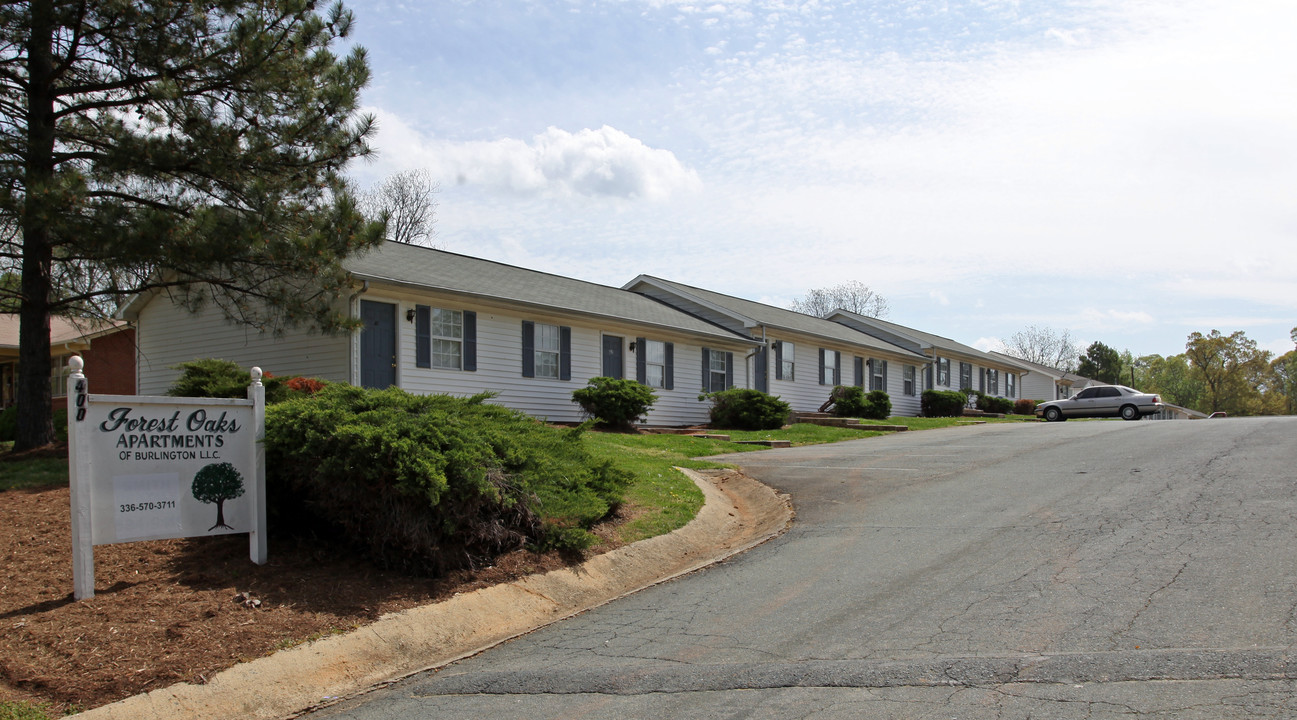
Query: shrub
[1023, 406]
[878, 405]
[431, 483]
[304, 385]
[848, 401]
[615, 403]
[9, 424]
[993, 404]
[745, 409]
[943, 403]
[212, 377]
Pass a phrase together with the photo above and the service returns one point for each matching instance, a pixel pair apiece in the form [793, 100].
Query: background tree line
[1215, 373]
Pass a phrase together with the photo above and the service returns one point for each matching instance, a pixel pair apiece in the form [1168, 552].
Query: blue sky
[1121, 169]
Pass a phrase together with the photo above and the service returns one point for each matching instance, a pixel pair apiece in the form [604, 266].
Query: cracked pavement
[1081, 569]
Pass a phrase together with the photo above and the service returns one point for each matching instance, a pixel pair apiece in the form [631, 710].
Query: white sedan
[1102, 401]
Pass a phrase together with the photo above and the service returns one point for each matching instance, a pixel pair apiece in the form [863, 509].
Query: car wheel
[1129, 412]
[1053, 414]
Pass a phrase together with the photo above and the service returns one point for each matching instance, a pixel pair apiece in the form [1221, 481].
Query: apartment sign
[150, 468]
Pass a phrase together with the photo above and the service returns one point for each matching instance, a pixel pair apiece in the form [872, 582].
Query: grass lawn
[39, 472]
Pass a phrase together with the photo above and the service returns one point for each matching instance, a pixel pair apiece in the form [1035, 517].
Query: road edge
[738, 513]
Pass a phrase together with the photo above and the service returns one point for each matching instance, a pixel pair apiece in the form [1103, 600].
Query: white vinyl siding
[167, 335]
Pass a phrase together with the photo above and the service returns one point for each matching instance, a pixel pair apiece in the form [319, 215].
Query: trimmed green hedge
[746, 409]
[431, 483]
[993, 404]
[943, 403]
[852, 401]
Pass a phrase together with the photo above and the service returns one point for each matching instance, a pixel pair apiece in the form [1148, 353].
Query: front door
[614, 363]
[377, 344]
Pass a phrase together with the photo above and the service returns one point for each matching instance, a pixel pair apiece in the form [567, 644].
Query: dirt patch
[169, 611]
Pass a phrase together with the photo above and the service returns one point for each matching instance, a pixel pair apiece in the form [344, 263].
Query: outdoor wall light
[409, 315]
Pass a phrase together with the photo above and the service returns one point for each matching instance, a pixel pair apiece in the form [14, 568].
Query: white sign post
[151, 468]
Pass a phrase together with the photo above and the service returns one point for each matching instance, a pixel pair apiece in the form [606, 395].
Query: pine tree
[189, 146]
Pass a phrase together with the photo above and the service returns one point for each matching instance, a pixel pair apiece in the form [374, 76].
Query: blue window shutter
[470, 341]
[528, 348]
[869, 368]
[884, 387]
[927, 377]
[707, 375]
[981, 380]
[760, 370]
[837, 367]
[779, 360]
[858, 370]
[820, 375]
[422, 336]
[669, 351]
[729, 370]
[641, 360]
[564, 353]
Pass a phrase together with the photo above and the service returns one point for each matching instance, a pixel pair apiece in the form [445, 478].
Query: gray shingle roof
[777, 317]
[927, 339]
[425, 268]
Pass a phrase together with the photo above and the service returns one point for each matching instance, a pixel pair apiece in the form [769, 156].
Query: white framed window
[965, 376]
[878, 375]
[786, 353]
[655, 363]
[717, 370]
[943, 371]
[447, 339]
[993, 381]
[1010, 385]
[830, 368]
[59, 373]
[908, 375]
[547, 351]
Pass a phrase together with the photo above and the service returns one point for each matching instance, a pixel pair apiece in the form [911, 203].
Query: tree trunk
[220, 517]
[35, 425]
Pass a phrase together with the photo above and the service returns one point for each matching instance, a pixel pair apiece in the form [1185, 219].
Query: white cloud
[593, 163]
[1099, 321]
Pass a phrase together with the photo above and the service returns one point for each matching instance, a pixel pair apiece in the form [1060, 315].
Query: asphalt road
[1074, 570]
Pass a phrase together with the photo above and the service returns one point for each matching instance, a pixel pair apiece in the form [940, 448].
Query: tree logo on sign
[216, 483]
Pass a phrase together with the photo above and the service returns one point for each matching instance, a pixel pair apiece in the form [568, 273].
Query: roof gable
[753, 314]
[923, 340]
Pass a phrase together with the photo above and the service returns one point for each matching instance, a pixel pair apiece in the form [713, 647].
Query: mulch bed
[168, 611]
